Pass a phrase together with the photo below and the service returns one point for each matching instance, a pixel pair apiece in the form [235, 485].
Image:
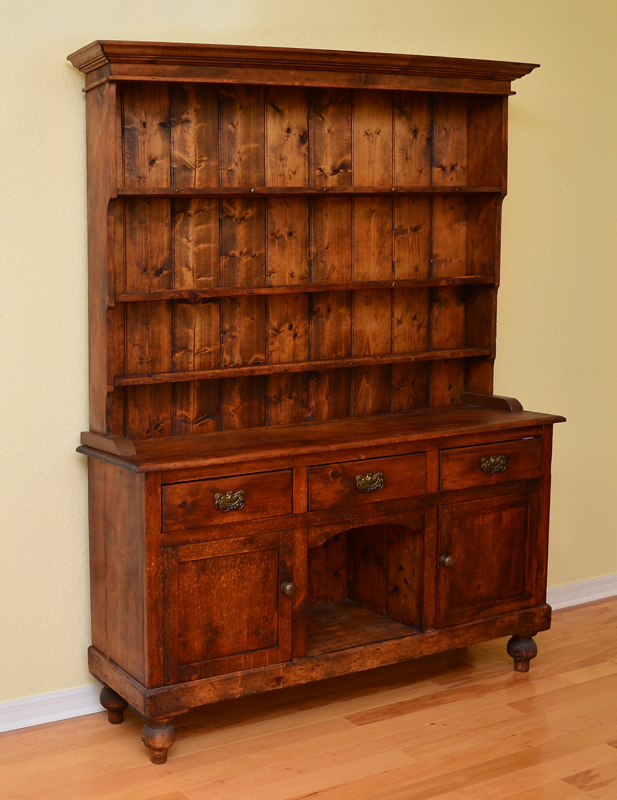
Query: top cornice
[124, 60]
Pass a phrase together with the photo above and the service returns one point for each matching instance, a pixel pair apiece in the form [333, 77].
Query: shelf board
[337, 626]
[283, 191]
[238, 291]
[298, 366]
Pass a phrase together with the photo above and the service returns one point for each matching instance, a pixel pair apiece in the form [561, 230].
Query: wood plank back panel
[190, 136]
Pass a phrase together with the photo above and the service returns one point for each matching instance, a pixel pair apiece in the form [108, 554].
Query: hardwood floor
[457, 726]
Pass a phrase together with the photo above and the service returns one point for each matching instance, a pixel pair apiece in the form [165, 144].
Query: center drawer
[355, 482]
[193, 504]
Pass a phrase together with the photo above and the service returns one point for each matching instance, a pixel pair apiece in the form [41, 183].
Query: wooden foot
[522, 649]
[158, 735]
[114, 704]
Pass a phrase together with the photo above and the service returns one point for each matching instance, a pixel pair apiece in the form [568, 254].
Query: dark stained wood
[491, 401]
[242, 579]
[306, 288]
[339, 625]
[522, 650]
[175, 699]
[192, 505]
[241, 317]
[492, 543]
[335, 484]
[330, 128]
[294, 262]
[117, 553]
[461, 468]
[109, 444]
[336, 190]
[102, 158]
[194, 135]
[287, 139]
[290, 66]
[114, 704]
[327, 571]
[225, 447]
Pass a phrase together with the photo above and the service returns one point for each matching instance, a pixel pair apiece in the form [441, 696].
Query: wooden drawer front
[462, 467]
[334, 485]
[192, 504]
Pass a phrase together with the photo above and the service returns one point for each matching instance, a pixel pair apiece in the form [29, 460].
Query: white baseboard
[85, 700]
[573, 594]
[49, 707]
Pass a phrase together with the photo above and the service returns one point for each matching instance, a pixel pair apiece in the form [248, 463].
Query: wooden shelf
[300, 288]
[299, 366]
[282, 191]
[337, 626]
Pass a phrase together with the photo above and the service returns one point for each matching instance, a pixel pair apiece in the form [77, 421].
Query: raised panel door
[487, 552]
[224, 608]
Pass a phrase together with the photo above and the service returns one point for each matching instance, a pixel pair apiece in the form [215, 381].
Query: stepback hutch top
[297, 465]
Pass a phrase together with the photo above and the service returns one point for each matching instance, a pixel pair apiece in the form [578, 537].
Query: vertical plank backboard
[287, 139]
[196, 243]
[413, 125]
[330, 114]
[450, 140]
[146, 127]
[242, 135]
[288, 241]
[194, 135]
[372, 138]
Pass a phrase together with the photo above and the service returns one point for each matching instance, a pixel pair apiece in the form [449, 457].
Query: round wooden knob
[446, 560]
[289, 588]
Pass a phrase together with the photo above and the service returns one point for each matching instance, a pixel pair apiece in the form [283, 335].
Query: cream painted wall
[557, 315]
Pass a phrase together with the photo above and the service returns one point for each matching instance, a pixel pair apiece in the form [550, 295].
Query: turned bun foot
[522, 649]
[114, 704]
[158, 735]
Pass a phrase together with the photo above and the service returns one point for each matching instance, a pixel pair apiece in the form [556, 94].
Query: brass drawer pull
[371, 482]
[492, 464]
[229, 501]
[289, 588]
[446, 560]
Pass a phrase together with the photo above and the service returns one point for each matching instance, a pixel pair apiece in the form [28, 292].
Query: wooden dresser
[297, 466]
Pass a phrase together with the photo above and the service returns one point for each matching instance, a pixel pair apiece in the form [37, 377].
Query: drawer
[193, 504]
[336, 485]
[487, 464]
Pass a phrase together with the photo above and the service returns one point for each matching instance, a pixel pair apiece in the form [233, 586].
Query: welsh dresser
[297, 465]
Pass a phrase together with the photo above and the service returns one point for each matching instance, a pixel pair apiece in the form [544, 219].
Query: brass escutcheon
[371, 482]
[491, 464]
[229, 501]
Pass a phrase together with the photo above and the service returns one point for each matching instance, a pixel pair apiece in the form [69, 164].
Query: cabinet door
[493, 544]
[224, 609]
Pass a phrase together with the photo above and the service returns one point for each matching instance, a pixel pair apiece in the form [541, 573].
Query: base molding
[70, 703]
[575, 594]
[50, 707]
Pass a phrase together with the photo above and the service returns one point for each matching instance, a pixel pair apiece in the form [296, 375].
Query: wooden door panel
[493, 543]
[225, 610]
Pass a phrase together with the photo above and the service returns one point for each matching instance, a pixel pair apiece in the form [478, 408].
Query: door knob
[446, 560]
[289, 588]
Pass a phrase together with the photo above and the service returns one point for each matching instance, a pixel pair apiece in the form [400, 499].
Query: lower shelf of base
[339, 626]
[168, 701]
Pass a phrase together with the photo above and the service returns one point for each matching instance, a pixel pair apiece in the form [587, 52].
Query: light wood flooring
[457, 726]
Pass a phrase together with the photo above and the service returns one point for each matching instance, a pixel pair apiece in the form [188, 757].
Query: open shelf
[344, 624]
[301, 288]
[299, 366]
[286, 191]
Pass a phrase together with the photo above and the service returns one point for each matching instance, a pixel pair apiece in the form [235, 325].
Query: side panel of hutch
[297, 464]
